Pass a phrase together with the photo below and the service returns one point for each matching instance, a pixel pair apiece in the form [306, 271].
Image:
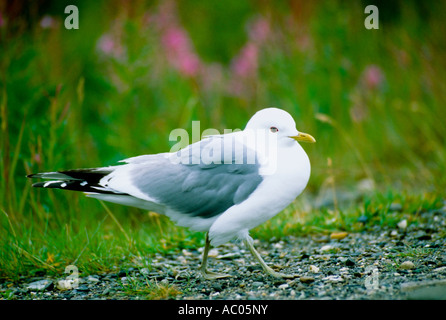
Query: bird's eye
[273, 129]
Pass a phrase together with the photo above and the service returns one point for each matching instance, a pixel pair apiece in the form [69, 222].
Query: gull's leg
[209, 275]
[249, 243]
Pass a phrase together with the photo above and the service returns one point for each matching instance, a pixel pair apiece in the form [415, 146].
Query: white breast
[273, 195]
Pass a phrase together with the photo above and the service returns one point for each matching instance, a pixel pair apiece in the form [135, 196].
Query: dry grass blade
[116, 221]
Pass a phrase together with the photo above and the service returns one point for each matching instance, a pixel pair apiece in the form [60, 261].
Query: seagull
[223, 185]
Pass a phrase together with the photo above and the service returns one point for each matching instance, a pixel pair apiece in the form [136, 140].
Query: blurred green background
[135, 70]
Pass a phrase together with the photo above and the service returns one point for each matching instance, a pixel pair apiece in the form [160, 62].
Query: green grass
[93, 244]
[376, 208]
[149, 289]
[66, 102]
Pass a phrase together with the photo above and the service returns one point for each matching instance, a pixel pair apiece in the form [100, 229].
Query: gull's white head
[279, 123]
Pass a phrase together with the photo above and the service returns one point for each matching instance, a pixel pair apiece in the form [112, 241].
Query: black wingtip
[38, 185]
[85, 180]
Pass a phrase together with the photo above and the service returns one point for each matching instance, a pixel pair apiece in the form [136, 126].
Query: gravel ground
[408, 262]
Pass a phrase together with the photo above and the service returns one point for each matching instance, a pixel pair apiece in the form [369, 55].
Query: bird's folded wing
[204, 179]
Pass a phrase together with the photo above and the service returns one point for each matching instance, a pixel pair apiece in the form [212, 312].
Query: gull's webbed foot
[210, 275]
[248, 241]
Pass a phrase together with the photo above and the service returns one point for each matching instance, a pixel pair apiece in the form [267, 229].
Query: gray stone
[40, 285]
[334, 279]
[425, 290]
[306, 279]
[92, 279]
[407, 265]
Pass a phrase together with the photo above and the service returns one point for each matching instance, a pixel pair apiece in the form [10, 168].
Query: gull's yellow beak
[304, 137]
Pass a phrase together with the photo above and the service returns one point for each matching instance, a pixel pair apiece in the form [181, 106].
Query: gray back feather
[206, 181]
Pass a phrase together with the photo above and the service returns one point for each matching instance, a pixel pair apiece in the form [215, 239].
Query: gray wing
[204, 179]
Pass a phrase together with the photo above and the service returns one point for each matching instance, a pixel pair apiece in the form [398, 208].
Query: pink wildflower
[245, 63]
[180, 51]
[259, 30]
[372, 77]
[47, 22]
[176, 42]
[106, 44]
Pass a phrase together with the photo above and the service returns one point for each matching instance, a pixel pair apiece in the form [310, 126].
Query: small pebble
[39, 285]
[326, 247]
[213, 253]
[333, 279]
[306, 279]
[407, 265]
[402, 224]
[186, 253]
[394, 233]
[441, 269]
[338, 235]
[314, 269]
[284, 286]
[92, 279]
[228, 256]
